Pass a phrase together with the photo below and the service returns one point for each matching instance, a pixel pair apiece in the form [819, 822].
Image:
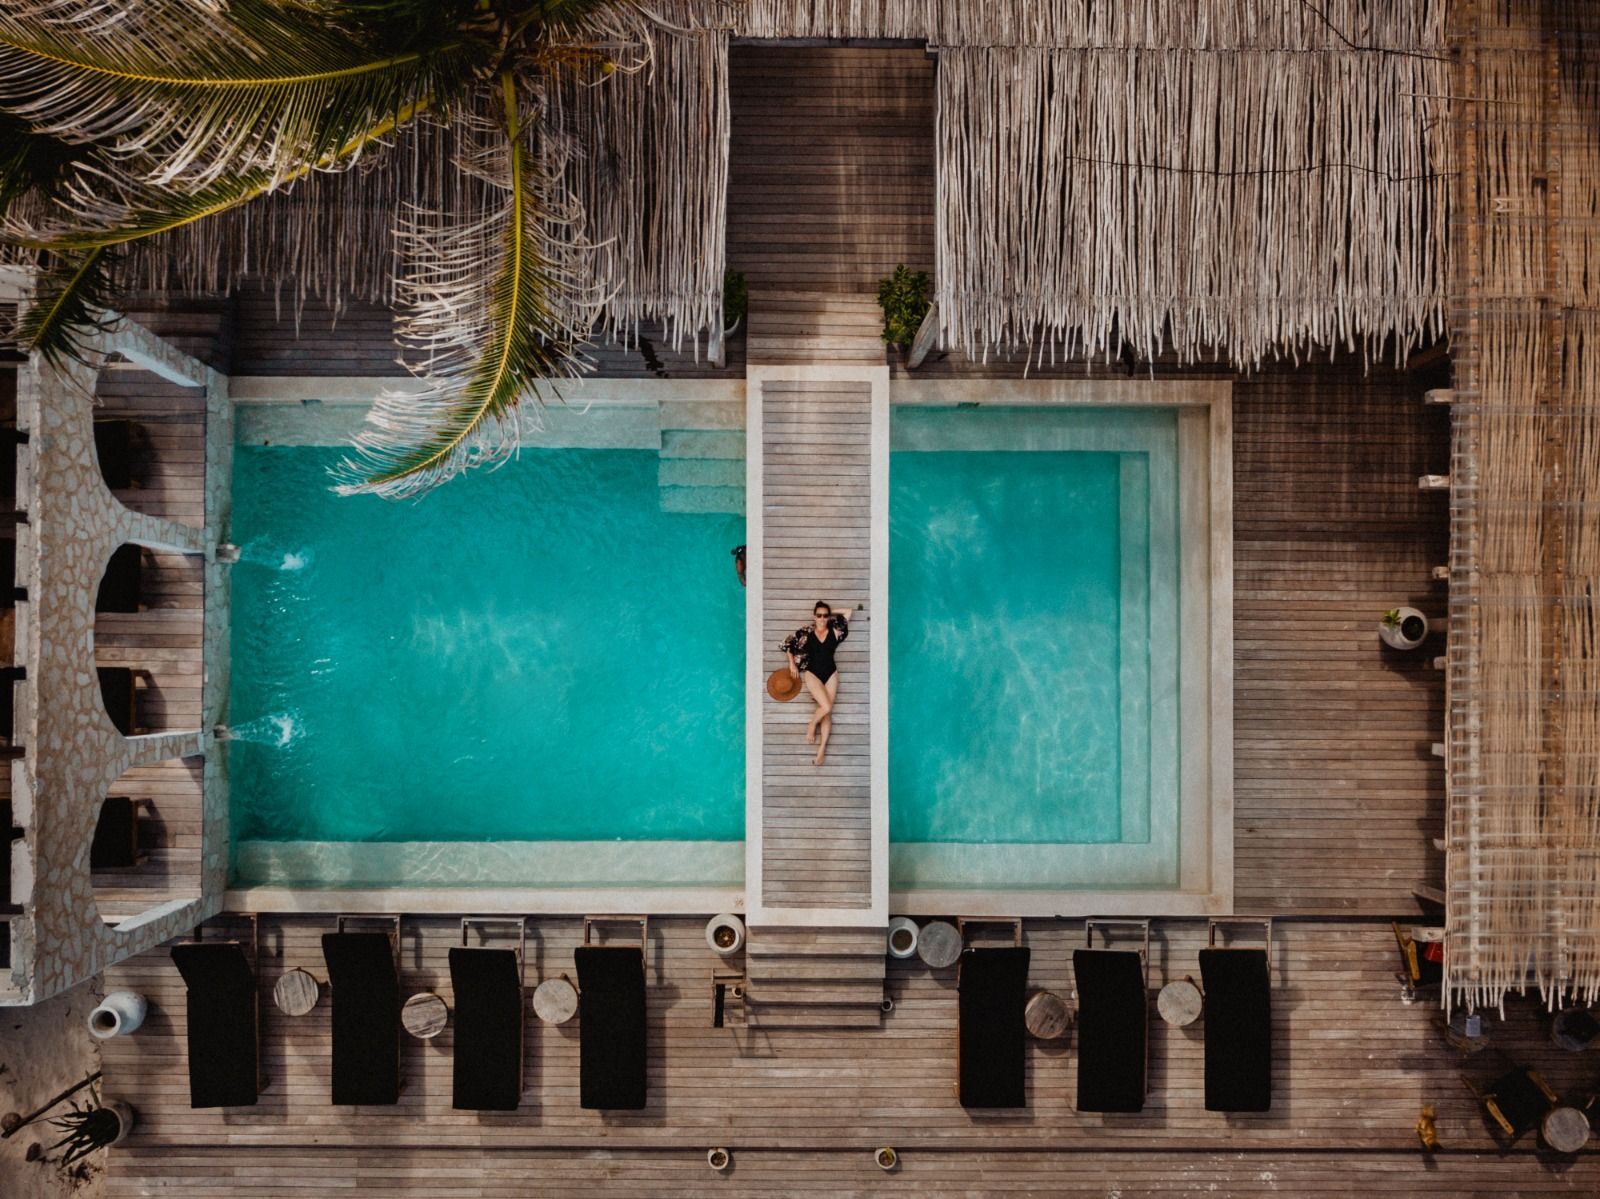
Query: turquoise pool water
[536, 653]
[1033, 645]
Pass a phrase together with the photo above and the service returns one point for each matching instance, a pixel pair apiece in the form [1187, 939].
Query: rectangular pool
[530, 677]
[1034, 648]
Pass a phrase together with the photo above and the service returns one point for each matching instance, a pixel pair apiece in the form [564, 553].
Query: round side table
[1565, 1129]
[939, 944]
[296, 992]
[555, 1000]
[424, 1015]
[1047, 1015]
[1180, 1002]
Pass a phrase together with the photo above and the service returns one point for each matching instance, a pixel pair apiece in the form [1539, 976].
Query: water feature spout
[227, 552]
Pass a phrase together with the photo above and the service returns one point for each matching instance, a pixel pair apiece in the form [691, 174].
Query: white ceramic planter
[1408, 634]
[927, 337]
[725, 934]
[120, 1013]
[902, 937]
[718, 1159]
[886, 1158]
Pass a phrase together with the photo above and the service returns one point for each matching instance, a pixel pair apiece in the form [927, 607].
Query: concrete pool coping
[1206, 840]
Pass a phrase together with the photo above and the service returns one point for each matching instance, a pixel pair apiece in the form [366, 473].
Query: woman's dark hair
[822, 604]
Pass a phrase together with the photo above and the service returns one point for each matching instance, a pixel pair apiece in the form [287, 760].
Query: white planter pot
[718, 1159]
[120, 1013]
[1408, 634]
[902, 937]
[927, 337]
[886, 1158]
[725, 934]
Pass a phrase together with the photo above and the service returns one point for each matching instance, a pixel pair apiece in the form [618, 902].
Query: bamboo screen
[1523, 837]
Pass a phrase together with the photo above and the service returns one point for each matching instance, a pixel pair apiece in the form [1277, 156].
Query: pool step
[701, 469]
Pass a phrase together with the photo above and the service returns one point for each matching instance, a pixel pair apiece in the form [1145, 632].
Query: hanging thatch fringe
[1165, 24]
[1252, 203]
[1523, 771]
[651, 170]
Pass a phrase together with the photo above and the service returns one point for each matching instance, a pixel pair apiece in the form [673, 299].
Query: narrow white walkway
[818, 470]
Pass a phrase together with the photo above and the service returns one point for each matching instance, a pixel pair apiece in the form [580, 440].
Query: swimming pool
[1034, 648]
[531, 676]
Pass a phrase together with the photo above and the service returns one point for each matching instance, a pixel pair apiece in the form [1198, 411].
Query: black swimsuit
[815, 653]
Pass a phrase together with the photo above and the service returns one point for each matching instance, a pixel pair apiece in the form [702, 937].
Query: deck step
[786, 941]
[704, 443]
[816, 968]
[859, 992]
[770, 1017]
[799, 327]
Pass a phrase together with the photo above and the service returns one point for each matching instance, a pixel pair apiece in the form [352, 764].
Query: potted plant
[725, 934]
[1403, 628]
[735, 302]
[904, 298]
[86, 1128]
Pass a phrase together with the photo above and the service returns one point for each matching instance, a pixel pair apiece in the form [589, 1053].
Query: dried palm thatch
[1523, 768]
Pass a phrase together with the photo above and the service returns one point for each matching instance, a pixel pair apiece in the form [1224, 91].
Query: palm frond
[69, 303]
[497, 300]
[31, 164]
[195, 93]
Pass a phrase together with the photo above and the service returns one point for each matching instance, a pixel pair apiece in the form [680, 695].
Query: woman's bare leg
[826, 726]
[824, 704]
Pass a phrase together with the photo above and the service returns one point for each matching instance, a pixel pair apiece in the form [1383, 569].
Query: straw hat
[782, 685]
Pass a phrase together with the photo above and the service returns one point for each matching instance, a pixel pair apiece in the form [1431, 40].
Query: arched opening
[149, 639]
[149, 439]
[146, 848]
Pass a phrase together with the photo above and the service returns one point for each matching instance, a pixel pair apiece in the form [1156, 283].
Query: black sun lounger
[1238, 1023]
[366, 1015]
[487, 984]
[223, 1023]
[1112, 1012]
[611, 1022]
[991, 1041]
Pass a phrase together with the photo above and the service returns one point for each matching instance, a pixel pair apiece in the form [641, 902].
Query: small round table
[939, 944]
[1047, 1015]
[555, 1000]
[296, 992]
[424, 1015]
[1574, 1029]
[1565, 1129]
[1180, 1002]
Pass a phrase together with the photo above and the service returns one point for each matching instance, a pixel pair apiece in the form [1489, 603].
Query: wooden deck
[803, 1109]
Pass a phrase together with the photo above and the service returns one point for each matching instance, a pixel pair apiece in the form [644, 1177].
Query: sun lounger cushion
[116, 690]
[366, 1017]
[113, 447]
[1238, 1015]
[222, 1019]
[120, 589]
[488, 1052]
[1112, 1009]
[611, 1026]
[993, 992]
[115, 836]
[1520, 1100]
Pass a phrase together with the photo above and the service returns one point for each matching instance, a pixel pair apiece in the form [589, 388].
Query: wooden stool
[1179, 1003]
[555, 1000]
[1047, 1015]
[296, 992]
[939, 945]
[424, 1015]
[1565, 1129]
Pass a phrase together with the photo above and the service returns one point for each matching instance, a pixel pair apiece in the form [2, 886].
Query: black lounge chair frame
[360, 1067]
[991, 1068]
[467, 1073]
[613, 1048]
[1517, 1101]
[260, 1080]
[1123, 1098]
[1226, 1058]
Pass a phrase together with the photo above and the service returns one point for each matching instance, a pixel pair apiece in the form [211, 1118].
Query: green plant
[904, 297]
[1391, 618]
[735, 298]
[87, 1128]
[130, 148]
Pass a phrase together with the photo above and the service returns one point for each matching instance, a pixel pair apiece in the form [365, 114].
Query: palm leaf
[69, 302]
[31, 164]
[196, 93]
[498, 302]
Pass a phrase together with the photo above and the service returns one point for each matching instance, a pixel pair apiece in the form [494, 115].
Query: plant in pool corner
[904, 297]
[89, 1127]
[164, 141]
